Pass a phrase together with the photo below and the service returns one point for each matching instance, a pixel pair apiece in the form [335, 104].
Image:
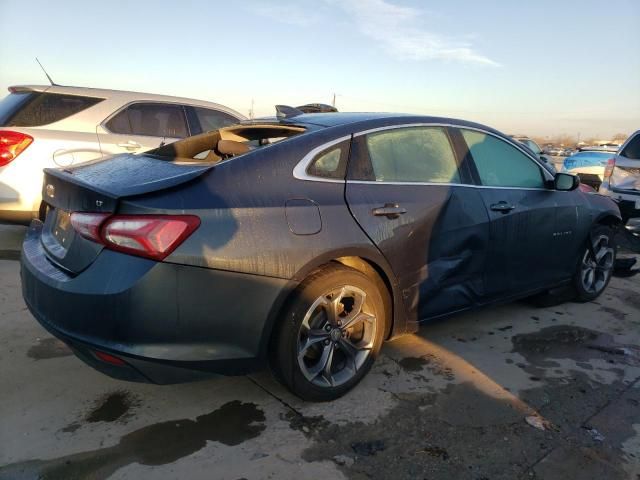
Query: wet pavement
[509, 392]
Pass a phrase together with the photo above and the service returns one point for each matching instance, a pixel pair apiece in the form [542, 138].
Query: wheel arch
[365, 260]
[608, 219]
[374, 271]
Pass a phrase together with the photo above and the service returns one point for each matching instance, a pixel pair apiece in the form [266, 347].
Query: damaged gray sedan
[303, 241]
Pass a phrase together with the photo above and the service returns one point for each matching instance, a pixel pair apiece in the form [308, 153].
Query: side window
[150, 119]
[632, 150]
[500, 164]
[120, 123]
[330, 164]
[213, 119]
[416, 154]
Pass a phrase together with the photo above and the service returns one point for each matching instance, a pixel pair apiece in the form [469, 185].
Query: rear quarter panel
[244, 226]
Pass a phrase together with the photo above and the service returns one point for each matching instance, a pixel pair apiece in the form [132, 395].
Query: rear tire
[331, 333]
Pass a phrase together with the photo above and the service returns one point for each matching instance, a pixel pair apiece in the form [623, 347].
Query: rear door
[142, 126]
[533, 235]
[405, 187]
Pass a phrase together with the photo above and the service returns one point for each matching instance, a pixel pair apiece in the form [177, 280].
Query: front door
[406, 190]
[533, 227]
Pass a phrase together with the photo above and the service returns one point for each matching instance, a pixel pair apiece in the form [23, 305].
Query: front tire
[595, 264]
[331, 333]
[590, 278]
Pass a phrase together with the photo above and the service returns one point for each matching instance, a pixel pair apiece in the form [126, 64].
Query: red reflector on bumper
[107, 358]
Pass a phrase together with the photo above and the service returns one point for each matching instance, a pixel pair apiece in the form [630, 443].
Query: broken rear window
[228, 142]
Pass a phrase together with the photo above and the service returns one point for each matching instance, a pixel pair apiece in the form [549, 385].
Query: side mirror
[566, 182]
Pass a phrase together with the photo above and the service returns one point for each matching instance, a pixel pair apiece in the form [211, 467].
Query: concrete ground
[511, 392]
[10, 240]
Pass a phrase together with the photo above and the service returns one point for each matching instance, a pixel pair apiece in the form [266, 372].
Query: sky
[543, 68]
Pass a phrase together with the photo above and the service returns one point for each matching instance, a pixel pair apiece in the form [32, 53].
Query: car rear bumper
[168, 323]
[628, 201]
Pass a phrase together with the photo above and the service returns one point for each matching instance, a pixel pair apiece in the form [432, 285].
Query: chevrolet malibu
[302, 242]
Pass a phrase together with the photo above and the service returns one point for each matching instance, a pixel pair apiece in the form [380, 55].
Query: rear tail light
[12, 144]
[150, 236]
[88, 224]
[608, 170]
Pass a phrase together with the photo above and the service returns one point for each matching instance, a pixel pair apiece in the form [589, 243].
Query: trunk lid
[98, 187]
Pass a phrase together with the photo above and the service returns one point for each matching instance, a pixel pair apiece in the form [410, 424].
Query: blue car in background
[589, 165]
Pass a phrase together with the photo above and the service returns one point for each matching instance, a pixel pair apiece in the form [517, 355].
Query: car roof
[314, 121]
[343, 118]
[122, 96]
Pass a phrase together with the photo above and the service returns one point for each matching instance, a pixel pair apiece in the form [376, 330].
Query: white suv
[55, 126]
[622, 177]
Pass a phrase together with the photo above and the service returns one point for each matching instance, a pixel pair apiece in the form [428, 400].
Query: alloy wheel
[597, 265]
[336, 336]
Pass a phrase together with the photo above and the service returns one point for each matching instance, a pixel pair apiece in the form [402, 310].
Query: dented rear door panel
[435, 245]
[436, 249]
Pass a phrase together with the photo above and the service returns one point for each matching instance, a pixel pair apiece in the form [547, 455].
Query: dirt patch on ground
[629, 297]
[464, 433]
[430, 362]
[158, 444]
[9, 255]
[572, 342]
[413, 364]
[438, 436]
[47, 348]
[111, 407]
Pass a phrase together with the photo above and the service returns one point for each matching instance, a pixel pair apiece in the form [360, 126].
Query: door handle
[390, 210]
[502, 207]
[130, 145]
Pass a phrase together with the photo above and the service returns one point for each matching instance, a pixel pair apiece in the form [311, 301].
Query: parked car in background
[224, 251]
[535, 148]
[612, 148]
[553, 151]
[589, 165]
[55, 126]
[622, 177]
